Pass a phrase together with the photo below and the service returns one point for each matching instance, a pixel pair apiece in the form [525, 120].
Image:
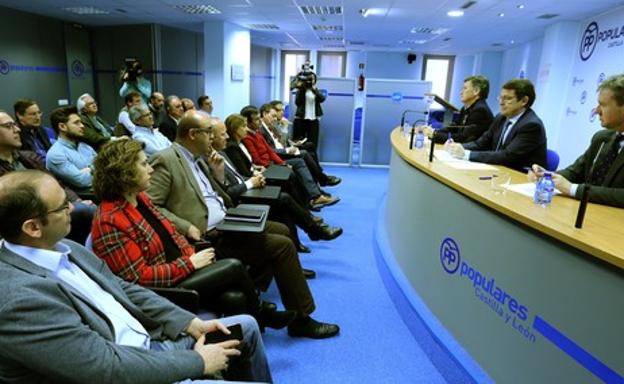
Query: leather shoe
[303, 249]
[324, 232]
[317, 219]
[324, 201]
[275, 319]
[308, 273]
[308, 327]
[267, 306]
[330, 181]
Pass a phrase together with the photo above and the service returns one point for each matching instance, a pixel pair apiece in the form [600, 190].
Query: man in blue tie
[602, 164]
[516, 138]
[65, 317]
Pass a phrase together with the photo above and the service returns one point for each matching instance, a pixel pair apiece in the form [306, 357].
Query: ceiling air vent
[428, 30]
[468, 4]
[326, 28]
[321, 10]
[413, 42]
[497, 44]
[332, 38]
[356, 42]
[266, 27]
[86, 10]
[198, 9]
[333, 46]
[547, 16]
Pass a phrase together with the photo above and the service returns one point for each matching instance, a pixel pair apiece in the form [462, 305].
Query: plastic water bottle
[544, 190]
[406, 129]
[420, 139]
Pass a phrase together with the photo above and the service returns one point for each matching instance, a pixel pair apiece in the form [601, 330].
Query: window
[439, 70]
[331, 64]
[291, 65]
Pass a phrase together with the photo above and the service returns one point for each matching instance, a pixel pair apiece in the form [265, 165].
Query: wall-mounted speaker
[411, 57]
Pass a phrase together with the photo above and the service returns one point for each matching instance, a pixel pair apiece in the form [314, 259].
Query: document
[456, 163]
[526, 189]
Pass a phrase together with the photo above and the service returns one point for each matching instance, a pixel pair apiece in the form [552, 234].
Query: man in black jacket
[516, 138]
[475, 116]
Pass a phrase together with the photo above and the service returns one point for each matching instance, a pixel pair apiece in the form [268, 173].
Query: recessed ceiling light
[501, 14]
[520, 6]
[364, 12]
[455, 13]
[512, 42]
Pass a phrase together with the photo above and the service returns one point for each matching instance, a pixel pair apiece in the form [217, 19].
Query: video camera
[307, 75]
[133, 69]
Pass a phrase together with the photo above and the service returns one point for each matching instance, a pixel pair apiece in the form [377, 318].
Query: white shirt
[128, 331]
[310, 105]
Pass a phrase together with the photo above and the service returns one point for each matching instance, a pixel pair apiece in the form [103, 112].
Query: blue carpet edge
[452, 361]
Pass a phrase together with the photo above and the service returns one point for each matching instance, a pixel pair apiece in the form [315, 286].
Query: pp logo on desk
[449, 255]
[589, 41]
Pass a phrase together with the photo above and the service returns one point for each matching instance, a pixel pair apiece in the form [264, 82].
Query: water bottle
[544, 190]
[420, 139]
[406, 129]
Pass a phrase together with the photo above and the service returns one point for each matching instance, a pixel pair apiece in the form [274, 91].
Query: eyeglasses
[9, 125]
[62, 208]
[148, 114]
[207, 131]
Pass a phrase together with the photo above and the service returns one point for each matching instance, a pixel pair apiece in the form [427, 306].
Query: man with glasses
[97, 132]
[67, 318]
[173, 113]
[13, 159]
[143, 118]
[516, 138]
[182, 185]
[69, 159]
[34, 136]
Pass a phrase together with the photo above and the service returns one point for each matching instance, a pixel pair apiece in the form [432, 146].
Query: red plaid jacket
[131, 247]
[260, 151]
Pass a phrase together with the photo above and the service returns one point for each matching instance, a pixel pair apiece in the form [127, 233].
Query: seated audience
[187, 104]
[156, 102]
[145, 132]
[69, 159]
[173, 113]
[285, 206]
[601, 167]
[125, 126]
[13, 159]
[96, 131]
[67, 318]
[262, 154]
[183, 187]
[475, 116]
[516, 138]
[205, 104]
[141, 246]
[34, 136]
[268, 121]
[282, 122]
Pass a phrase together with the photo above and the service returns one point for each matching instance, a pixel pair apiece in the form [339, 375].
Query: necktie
[501, 139]
[602, 168]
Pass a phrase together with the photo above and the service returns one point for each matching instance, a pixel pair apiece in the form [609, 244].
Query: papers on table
[526, 189]
[453, 162]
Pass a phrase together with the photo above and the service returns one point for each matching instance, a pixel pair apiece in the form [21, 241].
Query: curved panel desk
[531, 298]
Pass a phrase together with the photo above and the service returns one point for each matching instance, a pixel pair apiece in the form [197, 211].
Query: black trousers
[306, 128]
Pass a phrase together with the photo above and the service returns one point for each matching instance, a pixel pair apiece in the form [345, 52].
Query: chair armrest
[184, 298]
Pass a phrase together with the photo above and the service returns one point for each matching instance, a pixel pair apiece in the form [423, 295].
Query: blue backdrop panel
[336, 125]
[384, 103]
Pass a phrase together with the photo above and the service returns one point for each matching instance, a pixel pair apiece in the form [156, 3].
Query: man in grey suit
[602, 164]
[65, 317]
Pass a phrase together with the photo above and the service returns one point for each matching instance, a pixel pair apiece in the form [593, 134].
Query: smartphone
[218, 336]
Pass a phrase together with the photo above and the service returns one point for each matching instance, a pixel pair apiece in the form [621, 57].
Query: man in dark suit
[34, 135]
[602, 164]
[183, 187]
[67, 318]
[475, 116]
[516, 138]
[96, 132]
[173, 114]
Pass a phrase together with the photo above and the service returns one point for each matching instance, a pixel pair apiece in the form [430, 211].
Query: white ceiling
[387, 28]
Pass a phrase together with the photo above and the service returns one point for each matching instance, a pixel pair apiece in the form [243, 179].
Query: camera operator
[133, 81]
[308, 101]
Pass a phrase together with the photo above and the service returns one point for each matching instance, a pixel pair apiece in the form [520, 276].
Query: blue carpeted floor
[375, 345]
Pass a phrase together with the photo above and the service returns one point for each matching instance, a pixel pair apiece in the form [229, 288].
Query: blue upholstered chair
[552, 160]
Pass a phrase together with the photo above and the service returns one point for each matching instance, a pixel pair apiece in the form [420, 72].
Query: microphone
[580, 215]
[431, 151]
[411, 111]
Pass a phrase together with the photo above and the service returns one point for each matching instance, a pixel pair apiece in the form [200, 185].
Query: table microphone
[431, 151]
[410, 111]
[582, 207]
[411, 143]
